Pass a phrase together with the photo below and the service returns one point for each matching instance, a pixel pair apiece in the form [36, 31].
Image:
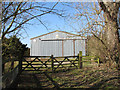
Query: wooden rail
[38, 63]
[8, 78]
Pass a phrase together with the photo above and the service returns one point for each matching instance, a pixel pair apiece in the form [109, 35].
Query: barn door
[51, 48]
[68, 48]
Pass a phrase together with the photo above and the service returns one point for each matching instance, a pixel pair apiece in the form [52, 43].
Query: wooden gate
[38, 63]
[65, 62]
[50, 63]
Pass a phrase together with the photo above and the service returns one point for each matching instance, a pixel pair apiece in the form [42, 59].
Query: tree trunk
[111, 10]
[112, 40]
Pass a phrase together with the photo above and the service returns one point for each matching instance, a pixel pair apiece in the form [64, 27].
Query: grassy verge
[88, 77]
[92, 77]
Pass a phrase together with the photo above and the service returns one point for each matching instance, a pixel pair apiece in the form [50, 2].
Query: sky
[53, 22]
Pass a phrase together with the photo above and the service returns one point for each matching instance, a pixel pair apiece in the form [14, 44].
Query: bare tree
[102, 22]
[111, 10]
[91, 21]
[16, 14]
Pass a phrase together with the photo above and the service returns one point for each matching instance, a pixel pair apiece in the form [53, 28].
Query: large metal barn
[58, 43]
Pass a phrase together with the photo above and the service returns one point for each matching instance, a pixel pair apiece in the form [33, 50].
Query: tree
[27, 52]
[16, 14]
[111, 10]
[90, 17]
[101, 21]
[12, 50]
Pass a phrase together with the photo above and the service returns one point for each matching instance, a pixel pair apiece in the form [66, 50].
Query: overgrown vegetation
[13, 49]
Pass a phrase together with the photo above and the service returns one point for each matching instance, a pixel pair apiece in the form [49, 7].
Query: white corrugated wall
[48, 47]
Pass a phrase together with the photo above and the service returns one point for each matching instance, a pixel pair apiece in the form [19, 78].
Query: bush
[12, 48]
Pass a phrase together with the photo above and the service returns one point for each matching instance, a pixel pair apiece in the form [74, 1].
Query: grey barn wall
[44, 47]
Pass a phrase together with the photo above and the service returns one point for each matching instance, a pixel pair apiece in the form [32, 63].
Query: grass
[88, 77]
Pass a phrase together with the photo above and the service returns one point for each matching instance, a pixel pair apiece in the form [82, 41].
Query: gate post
[52, 63]
[3, 68]
[80, 60]
[98, 62]
[12, 65]
[20, 64]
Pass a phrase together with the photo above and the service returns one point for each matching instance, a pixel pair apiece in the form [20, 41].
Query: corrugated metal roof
[54, 32]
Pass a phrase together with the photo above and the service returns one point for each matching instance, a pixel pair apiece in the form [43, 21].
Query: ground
[88, 77]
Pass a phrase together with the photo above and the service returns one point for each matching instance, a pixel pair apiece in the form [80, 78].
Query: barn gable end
[58, 43]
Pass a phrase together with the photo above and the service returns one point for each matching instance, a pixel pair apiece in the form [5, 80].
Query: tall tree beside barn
[111, 10]
[102, 23]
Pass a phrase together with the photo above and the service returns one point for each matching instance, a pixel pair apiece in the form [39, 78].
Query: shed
[58, 43]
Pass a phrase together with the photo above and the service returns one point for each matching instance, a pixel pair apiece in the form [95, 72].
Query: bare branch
[12, 20]
[39, 20]
[20, 16]
[7, 7]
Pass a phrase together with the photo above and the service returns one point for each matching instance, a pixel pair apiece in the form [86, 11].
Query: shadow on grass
[102, 82]
[91, 80]
[80, 83]
[53, 82]
[38, 83]
[29, 81]
[85, 79]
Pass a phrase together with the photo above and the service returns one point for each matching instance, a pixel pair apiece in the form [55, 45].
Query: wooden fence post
[12, 65]
[98, 62]
[3, 68]
[20, 64]
[80, 60]
[52, 63]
